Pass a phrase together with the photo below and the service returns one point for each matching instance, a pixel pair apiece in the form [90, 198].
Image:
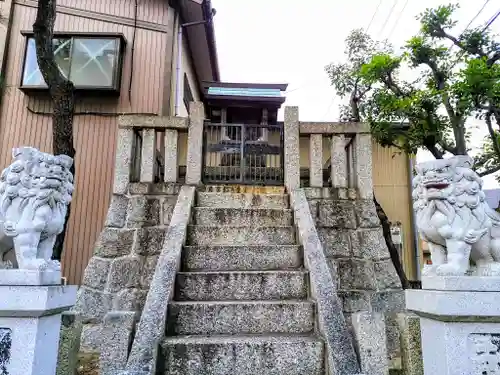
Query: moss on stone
[88, 364]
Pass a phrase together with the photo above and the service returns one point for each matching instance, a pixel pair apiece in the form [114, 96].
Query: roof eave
[277, 86]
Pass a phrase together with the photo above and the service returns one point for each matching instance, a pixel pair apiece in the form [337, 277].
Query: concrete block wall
[118, 275]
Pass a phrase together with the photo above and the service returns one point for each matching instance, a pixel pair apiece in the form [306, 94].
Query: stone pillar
[30, 321]
[369, 331]
[148, 154]
[351, 178]
[171, 165]
[411, 345]
[265, 121]
[339, 164]
[363, 165]
[459, 323]
[123, 160]
[292, 157]
[117, 333]
[69, 343]
[316, 160]
[223, 129]
[194, 157]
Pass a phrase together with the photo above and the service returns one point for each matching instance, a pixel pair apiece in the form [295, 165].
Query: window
[188, 94]
[91, 62]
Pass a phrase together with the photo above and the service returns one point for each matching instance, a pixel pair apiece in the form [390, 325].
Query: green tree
[451, 88]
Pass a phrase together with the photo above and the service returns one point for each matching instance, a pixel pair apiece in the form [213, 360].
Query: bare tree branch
[489, 171]
[439, 32]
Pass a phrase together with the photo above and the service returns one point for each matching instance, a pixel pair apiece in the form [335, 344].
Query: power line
[373, 16]
[388, 17]
[399, 18]
[308, 83]
[367, 29]
[477, 15]
[329, 107]
[488, 24]
[470, 23]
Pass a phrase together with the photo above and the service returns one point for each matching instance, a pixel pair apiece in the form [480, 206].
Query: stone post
[459, 323]
[363, 165]
[69, 343]
[369, 331]
[316, 160]
[30, 320]
[339, 164]
[148, 154]
[117, 333]
[292, 158]
[171, 165]
[194, 157]
[411, 346]
[123, 160]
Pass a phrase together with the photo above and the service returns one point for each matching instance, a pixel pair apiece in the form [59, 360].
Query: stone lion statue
[462, 231]
[35, 191]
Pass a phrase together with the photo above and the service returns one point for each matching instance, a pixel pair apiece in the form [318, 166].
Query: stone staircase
[241, 303]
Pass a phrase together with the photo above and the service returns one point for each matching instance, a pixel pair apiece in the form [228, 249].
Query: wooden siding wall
[392, 190]
[95, 136]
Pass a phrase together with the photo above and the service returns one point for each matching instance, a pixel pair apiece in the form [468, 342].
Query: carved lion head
[38, 175]
[451, 180]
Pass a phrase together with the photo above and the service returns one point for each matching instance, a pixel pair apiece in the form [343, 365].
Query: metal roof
[248, 92]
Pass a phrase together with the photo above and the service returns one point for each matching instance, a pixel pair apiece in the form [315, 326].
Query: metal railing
[243, 153]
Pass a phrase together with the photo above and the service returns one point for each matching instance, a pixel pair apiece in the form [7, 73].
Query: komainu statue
[35, 191]
[462, 231]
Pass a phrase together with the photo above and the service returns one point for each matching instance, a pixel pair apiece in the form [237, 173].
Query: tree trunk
[62, 141]
[61, 92]
[393, 251]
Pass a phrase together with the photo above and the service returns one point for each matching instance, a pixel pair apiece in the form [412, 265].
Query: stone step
[241, 317]
[261, 217]
[238, 235]
[244, 200]
[247, 285]
[243, 355]
[241, 258]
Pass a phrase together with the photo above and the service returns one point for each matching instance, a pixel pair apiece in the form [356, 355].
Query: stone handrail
[151, 327]
[350, 155]
[341, 357]
[311, 127]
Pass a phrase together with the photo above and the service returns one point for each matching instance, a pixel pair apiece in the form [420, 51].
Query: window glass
[32, 75]
[188, 95]
[93, 62]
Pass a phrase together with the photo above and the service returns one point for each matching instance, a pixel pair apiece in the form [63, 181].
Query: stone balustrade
[149, 150]
[350, 154]
[149, 147]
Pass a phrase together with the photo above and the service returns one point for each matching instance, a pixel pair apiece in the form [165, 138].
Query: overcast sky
[291, 41]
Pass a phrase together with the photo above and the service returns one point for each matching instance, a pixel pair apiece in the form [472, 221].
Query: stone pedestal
[460, 324]
[30, 320]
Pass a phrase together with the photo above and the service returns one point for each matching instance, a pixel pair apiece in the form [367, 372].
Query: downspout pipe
[182, 26]
[178, 71]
